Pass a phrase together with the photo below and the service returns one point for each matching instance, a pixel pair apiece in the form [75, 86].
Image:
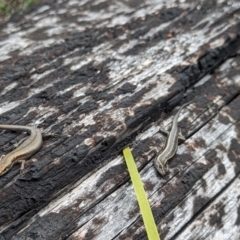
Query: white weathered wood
[102, 206]
[127, 206]
[230, 199]
[124, 199]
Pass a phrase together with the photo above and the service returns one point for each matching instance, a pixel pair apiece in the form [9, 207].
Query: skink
[171, 145]
[25, 150]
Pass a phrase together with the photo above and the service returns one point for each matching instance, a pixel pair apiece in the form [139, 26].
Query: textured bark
[104, 75]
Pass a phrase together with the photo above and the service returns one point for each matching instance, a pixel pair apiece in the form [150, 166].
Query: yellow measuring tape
[144, 206]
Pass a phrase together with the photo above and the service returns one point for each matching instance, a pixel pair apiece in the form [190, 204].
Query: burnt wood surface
[103, 75]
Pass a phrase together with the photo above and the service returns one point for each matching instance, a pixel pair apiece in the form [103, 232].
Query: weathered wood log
[104, 75]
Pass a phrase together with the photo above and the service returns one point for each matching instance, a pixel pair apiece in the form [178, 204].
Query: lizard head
[162, 169]
[4, 165]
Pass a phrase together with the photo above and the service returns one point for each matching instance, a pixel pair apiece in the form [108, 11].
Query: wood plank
[221, 216]
[103, 75]
[187, 192]
[94, 196]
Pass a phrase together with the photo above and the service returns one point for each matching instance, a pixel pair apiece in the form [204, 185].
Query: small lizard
[25, 150]
[171, 145]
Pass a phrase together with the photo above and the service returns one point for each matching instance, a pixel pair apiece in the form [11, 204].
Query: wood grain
[104, 75]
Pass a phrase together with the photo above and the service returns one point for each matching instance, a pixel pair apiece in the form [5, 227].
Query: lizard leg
[20, 142]
[154, 151]
[22, 165]
[164, 131]
[180, 135]
[46, 135]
